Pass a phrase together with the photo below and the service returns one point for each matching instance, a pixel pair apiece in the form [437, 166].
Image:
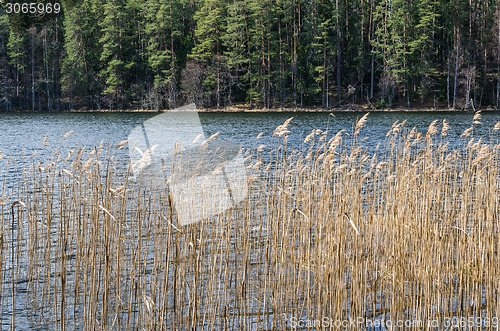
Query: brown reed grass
[407, 231]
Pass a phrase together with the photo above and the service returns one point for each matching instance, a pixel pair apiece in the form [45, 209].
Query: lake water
[25, 132]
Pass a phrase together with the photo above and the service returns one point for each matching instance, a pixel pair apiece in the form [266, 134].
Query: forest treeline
[156, 54]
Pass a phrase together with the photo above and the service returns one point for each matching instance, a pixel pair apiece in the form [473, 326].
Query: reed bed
[331, 232]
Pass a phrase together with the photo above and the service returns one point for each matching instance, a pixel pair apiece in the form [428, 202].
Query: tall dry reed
[407, 231]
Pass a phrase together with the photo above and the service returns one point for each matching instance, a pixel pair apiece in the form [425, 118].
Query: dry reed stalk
[407, 231]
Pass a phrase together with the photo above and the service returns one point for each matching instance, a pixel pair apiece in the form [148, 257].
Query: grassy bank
[407, 231]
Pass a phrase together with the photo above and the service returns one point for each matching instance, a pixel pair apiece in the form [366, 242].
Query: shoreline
[246, 109]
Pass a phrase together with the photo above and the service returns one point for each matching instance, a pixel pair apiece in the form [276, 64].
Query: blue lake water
[25, 132]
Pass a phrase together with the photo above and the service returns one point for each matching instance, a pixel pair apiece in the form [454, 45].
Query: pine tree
[422, 45]
[163, 31]
[207, 51]
[6, 82]
[16, 51]
[259, 34]
[390, 43]
[114, 53]
[497, 37]
[322, 48]
[81, 66]
[236, 44]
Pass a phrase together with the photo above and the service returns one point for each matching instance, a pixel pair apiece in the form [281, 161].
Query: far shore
[247, 109]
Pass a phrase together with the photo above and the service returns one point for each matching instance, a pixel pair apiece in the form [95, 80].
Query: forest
[158, 54]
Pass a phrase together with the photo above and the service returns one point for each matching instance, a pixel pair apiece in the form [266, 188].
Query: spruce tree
[114, 30]
[236, 45]
[207, 50]
[81, 65]
[163, 32]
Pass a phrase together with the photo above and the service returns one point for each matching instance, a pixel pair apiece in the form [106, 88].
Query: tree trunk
[327, 94]
[249, 54]
[33, 72]
[448, 78]
[268, 74]
[339, 55]
[49, 105]
[455, 84]
[498, 56]
[282, 70]
[467, 88]
[294, 64]
[371, 48]
[324, 77]
[372, 77]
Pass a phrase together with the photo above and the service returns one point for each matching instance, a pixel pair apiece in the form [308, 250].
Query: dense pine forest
[157, 54]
